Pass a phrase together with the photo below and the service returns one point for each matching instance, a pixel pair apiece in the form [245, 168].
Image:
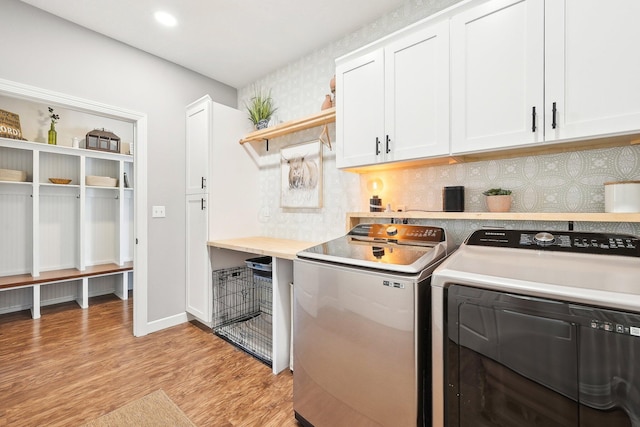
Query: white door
[417, 95]
[592, 67]
[198, 128]
[197, 261]
[497, 75]
[360, 110]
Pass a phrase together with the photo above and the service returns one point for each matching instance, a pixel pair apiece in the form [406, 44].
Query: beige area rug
[153, 410]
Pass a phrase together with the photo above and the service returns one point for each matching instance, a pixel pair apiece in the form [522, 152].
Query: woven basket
[12, 175]
[101, 181]
[60, 180]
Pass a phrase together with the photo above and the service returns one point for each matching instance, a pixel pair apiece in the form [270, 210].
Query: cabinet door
[497, 75]
[198, 293]
[198, 135]
[360, 110]
[592, 67]
[417, 95]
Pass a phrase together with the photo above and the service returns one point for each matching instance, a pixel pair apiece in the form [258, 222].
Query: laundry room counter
[268, 246]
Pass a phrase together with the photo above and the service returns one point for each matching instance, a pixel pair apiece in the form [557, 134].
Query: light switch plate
[158, 212]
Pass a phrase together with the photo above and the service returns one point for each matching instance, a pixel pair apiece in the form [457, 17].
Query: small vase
[499, 203]
[53, 135]
[327, 103]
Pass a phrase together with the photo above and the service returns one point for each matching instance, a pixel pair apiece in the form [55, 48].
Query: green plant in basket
[260, 108]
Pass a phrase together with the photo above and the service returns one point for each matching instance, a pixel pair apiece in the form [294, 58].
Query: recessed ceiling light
[165, 18]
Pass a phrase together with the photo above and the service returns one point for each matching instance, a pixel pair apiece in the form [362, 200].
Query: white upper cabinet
[592, 67]
[360, 110]
[417, 95]
[198, 136]
[393, 102]
[534, 71]
[497, 75]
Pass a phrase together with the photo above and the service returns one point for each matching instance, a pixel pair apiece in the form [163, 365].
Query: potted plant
[498, 200]
[260, 108]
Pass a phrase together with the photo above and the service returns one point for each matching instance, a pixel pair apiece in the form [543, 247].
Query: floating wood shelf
[317, 119]
[354, 218]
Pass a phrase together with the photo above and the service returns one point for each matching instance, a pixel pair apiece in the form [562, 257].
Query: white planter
[622, 196]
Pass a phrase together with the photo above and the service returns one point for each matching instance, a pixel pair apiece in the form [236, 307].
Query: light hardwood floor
[72, 366]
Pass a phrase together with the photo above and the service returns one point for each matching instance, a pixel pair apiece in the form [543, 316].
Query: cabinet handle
[202, 204]
[553, 115]
[388, 149]
[203, 183]
[377, 146]
[533, 119]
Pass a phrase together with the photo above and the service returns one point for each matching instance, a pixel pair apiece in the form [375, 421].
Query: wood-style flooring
[72, 366]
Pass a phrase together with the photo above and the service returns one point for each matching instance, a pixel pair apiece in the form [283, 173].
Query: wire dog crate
[242, 307]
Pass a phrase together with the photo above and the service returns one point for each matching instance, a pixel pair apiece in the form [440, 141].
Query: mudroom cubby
[64, 240]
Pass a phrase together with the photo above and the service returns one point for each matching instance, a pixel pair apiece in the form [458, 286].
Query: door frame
[139, 121]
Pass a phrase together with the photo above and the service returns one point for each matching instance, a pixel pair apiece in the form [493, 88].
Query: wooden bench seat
[65, 275]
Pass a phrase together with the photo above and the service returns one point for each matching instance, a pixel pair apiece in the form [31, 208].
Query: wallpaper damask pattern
[566, 182]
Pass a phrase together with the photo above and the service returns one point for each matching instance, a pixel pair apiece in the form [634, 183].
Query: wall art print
[301, 175]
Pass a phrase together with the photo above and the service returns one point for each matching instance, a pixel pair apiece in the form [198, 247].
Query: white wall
[42, 50]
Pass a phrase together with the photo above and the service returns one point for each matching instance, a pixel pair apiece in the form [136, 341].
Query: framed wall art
[301, 175]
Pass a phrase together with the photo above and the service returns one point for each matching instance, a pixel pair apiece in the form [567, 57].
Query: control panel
[561, 241]
[615, 327]
[399, 233]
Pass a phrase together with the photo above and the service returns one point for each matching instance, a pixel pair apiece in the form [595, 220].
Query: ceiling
[233, 41]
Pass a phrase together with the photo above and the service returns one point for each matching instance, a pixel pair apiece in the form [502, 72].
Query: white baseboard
[167, 322]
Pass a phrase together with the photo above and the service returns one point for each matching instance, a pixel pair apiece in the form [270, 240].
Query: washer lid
[393, 247]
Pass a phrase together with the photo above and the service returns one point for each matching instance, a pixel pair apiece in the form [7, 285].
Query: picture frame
[301, 175]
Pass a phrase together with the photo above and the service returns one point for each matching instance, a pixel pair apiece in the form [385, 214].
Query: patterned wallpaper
[566, 182]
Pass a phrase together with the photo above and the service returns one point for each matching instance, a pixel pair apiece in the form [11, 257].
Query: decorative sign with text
[10, 125]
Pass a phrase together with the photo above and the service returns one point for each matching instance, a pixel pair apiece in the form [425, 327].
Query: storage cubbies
[74, 238]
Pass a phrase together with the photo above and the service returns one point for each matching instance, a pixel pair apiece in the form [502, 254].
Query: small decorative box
[103, 140]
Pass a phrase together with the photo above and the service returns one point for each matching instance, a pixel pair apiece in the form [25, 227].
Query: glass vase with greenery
[53, 135]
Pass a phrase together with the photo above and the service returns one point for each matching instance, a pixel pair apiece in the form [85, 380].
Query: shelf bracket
[570, 224]
[324, 136]
[267, 141]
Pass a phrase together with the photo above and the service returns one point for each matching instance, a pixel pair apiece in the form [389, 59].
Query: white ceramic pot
[623, 196]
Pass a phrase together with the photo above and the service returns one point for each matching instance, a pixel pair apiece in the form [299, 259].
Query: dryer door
[512, 361]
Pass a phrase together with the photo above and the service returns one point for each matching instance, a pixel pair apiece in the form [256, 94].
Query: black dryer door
[511, 361]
